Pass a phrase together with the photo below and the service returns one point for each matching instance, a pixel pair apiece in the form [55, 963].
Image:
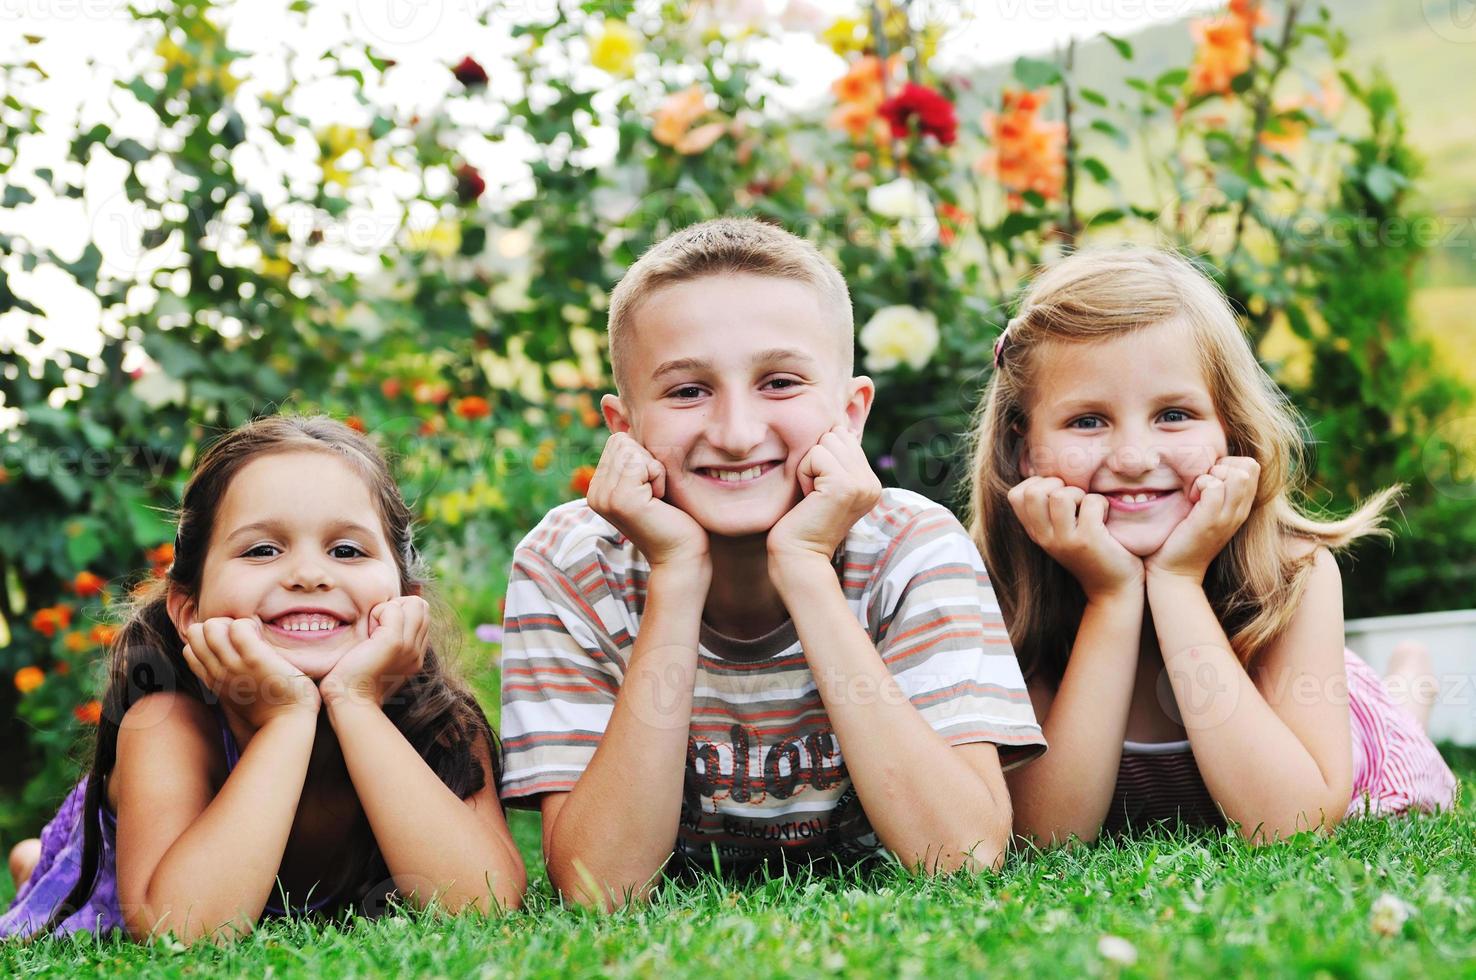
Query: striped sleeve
[560, 674]
[942, 636]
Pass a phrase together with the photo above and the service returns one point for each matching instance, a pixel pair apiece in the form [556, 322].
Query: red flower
[934, 114]
[161, 557]
[469, 73]
[473, 407]
[390, 387]
[469, 184]
[580, 481]
[356, 423]
[89, 713]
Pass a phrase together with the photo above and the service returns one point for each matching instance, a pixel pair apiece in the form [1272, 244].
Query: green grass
[1187, 903]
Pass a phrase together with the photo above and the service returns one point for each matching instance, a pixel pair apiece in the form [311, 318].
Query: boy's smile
[735, 378]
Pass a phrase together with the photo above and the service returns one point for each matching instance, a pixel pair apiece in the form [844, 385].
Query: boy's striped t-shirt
[765, 773]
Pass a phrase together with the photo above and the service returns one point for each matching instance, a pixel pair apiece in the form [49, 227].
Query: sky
[85, 43]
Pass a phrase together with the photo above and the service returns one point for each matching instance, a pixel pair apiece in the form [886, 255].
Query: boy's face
[734, 378]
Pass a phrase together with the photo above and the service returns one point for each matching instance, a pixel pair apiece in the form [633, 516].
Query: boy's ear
[617, 417]
[861, 393]
[181, 610]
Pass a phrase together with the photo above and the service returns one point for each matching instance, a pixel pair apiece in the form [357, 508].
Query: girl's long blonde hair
[1255, 583]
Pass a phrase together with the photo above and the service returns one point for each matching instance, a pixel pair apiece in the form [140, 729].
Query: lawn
[1168, 903]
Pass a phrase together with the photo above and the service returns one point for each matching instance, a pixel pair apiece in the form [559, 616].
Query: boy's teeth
[737, 476]
[1138, 498]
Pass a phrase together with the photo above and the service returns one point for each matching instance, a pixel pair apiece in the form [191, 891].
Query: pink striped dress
[1396, 768]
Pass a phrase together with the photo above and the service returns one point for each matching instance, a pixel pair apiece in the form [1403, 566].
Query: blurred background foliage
[258, 261]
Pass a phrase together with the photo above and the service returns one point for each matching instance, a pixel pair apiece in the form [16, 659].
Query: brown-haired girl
[1178, 617]
[278, 733]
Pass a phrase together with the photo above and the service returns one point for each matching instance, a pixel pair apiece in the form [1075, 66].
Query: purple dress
[61, 861]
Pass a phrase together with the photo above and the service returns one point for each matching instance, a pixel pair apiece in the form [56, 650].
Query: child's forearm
[927, 804]
[1067, 791]
[618, 826]
[1254, 766]
[434, 844]
[217, 877]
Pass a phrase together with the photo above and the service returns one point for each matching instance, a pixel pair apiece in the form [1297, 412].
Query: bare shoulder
[166, 738]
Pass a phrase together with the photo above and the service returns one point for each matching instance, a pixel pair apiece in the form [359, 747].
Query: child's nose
[308, 572]
[735, 428]
[1134, 454]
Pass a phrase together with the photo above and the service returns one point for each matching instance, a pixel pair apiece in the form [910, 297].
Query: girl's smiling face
[299, 546]
[1131, 419]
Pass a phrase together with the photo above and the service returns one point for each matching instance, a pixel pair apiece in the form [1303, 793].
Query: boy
[739, 646]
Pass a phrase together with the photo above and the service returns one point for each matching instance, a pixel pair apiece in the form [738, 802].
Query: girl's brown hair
[433, 710]
[1256, 582]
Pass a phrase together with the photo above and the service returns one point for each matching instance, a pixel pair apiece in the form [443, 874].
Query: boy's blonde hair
[716, 247]
[1256, 582]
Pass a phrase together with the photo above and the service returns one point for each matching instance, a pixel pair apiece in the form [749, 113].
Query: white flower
[1118, 950]
[899, 335]
[157, 389]
[898, 200]
[1388, 915]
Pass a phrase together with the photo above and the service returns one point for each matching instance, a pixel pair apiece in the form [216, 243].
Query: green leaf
[83, 548]
[1383, 182]
[1098, 170]
[15, 196]
[1123, 48]
[1035, 73]
[1093, 96]
[1234, 186]
[1173, 78]
[1117, 136]
[131, 150]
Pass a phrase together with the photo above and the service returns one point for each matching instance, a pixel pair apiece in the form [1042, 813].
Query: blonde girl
[1178, 616]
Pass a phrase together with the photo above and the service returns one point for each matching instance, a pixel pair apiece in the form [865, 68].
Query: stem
[1262, 111]
[1073, 223]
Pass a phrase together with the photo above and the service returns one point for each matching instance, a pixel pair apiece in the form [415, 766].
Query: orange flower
[951, 218]
[49, 621]
[473, 407]
[1029, 154]
[861, 83]
[1291, 130]
[677, 113]
[580, 481]
[390, 387]
[1226, 46]
[103, 634]
[433, 425]
[356, 423]
[75, 642]
[27, 679]
[162, 556]
[86, 584]
[89, 713]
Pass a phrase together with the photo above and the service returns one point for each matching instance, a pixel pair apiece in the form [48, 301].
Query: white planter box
[1451, 637]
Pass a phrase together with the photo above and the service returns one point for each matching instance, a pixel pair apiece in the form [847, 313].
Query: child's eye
[353, 552]
[1086, 422]
[1175, 415]
[256, 551]
[782, 384]
[687, 392]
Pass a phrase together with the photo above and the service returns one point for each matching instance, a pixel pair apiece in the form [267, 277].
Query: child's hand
[626, 490]
[1070, 525]
[1222, 501]
[394, 652]
[232, 659]
[839, 489]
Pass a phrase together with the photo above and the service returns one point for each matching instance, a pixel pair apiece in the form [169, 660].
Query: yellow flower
[847, 36]
[442, 238]
[615, 49]
[274, 268]
[337, 142]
